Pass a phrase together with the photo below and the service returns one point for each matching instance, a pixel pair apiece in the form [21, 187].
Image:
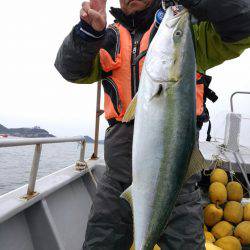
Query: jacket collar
[140, 21]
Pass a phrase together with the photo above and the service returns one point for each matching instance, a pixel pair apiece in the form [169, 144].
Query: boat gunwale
[12, 203]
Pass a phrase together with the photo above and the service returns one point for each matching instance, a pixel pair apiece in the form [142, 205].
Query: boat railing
[99, 112]
[232, 135]
[237, 92]
[38, 142]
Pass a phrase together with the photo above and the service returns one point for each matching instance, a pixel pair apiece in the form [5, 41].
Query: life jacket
[203, 92]
[120, 83]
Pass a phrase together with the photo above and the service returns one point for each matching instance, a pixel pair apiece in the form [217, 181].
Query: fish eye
[178, 33]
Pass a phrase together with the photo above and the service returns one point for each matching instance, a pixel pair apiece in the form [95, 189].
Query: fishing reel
[161, 12]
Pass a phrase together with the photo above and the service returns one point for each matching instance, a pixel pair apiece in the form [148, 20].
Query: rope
[241, 184]
[223, 148]
[217, 162]
[231, 172]
[80, 166]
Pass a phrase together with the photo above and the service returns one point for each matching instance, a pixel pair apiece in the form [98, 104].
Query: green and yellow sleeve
[95, 74]
[211, 50]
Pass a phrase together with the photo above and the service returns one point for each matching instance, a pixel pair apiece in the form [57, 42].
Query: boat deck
[213, 151]
[56, 217]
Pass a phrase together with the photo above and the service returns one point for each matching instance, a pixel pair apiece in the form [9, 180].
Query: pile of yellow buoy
[227, 222]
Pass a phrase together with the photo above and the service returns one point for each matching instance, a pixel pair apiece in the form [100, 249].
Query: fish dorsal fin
[127, 195]
[197, 163]
[130, 112]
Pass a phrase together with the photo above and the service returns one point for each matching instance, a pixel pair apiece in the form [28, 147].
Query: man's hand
[94, 13]
[189, 3]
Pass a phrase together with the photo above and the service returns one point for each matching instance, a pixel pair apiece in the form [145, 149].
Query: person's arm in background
[223, 31]
[78, 57]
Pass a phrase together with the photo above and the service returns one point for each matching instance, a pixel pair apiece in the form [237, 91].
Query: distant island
[35, 132]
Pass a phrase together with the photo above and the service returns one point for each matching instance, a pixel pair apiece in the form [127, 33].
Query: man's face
[131, 6]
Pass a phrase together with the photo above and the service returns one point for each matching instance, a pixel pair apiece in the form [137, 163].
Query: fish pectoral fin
[130, 112]
[127, 195]
[197, 163]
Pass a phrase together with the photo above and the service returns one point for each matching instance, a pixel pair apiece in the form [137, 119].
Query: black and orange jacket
[108, 55]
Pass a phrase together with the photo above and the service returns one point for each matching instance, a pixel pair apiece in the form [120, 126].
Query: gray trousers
[110, 225]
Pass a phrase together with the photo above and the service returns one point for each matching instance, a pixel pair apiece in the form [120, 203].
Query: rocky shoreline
[34, 132]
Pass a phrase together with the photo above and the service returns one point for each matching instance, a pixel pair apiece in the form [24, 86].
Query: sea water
[15, 162]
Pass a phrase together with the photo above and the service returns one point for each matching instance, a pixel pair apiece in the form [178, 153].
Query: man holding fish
[92, 52]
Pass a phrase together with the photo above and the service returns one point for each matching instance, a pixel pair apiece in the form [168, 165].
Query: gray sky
[33, 92]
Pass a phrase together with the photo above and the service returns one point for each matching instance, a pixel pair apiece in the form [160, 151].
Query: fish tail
[130, 112]
[197, 163]
[127, 195]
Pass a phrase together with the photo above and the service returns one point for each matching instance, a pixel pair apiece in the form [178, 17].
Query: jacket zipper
[118, 101]
[117, 33]
[134, 68]
[134, 52]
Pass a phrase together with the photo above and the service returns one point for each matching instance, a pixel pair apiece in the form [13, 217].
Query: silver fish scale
[164, 132]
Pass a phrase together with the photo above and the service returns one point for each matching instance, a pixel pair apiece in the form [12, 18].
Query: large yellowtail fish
[164, 130]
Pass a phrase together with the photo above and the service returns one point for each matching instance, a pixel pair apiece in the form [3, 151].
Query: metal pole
[82, 152]
[242, 171]
[34, 169]
[32, 141]
[99, 112]
[83, 165]
[231, 98]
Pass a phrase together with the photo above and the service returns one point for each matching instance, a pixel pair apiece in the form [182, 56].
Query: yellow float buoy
[212, 214]
[219, 175]
[222, 229]
[209, 237]
[228, 243]
[211, 246]
[217, 193]
[242, 232]
[234, 191]
[247, 212]
[233, 212]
